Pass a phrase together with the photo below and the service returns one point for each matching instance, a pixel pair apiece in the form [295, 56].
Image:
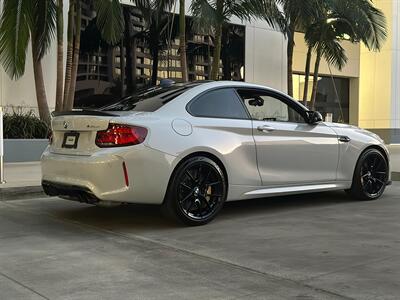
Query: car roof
[237, 84]
[178, 106]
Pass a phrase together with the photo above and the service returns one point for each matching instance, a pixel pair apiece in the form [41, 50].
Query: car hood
[342, 128]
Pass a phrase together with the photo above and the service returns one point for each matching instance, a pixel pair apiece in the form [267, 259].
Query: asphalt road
[323, 246]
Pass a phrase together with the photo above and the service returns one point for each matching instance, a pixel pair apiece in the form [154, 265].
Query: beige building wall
[379, 101]
[352, 68]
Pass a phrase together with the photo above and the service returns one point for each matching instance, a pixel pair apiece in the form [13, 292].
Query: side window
[221, 103]
[264, 107]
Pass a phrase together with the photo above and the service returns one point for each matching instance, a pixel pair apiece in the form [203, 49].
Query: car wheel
[197, 191]
[370, 176]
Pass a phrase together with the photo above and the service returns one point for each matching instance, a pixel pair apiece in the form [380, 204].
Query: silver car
[191, 147]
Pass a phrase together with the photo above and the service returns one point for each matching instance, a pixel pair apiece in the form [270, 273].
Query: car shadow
[149, 217]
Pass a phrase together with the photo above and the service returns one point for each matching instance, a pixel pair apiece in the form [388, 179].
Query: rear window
[151, 99]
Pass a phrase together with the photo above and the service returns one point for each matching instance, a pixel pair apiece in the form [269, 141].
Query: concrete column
[1, 69]
[395, 115]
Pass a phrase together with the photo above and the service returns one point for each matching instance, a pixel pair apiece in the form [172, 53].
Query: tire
[370, 176]
[197, 191]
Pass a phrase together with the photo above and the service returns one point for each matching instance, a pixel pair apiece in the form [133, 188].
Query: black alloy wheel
[371, 176]
[197, 191]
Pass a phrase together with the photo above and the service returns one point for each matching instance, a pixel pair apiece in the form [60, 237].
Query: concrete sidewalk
[22, 180]
[22, 174]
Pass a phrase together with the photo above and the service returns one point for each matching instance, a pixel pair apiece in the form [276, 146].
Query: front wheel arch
[376, 147]
[353, 190]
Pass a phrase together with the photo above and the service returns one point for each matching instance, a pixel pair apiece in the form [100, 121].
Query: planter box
[19, 150]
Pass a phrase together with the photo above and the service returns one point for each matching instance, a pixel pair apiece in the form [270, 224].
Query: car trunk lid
[74, 133]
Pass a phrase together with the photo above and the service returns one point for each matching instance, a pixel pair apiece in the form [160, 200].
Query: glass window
[264, 107]
[221, 103]
[332, 95]
[150, 100]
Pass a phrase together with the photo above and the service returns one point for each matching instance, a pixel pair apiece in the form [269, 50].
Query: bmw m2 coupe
[191, 147]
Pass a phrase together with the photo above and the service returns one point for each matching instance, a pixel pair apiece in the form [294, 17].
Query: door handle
[265, 128]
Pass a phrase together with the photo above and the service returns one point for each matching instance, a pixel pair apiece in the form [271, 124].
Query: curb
[396, 176]
[19, 193]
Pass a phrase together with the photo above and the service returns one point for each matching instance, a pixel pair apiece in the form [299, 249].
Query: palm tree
[295, 15]
[130, 44]
[73, 58]
[38, 21]
[324, 39]
[21, 22]
[110, 22]
[182, 40]
[214, 14]
[355, 20]
[60, 55]
[155, 33]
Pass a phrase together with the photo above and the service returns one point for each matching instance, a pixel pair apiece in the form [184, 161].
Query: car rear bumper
[101, 176]
[71, 192]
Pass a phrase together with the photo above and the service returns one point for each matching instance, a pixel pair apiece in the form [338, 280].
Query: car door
[221, 123]
[289, 150]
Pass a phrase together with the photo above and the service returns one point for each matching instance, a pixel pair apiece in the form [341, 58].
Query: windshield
[151, 99]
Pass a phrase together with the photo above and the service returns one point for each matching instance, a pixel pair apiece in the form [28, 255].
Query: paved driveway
[322, 246]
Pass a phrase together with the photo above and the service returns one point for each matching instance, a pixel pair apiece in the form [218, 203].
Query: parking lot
[323, 246]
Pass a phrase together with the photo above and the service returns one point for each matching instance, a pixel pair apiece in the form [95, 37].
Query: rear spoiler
[82, 113]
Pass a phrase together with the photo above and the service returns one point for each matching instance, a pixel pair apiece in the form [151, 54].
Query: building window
[328, 100]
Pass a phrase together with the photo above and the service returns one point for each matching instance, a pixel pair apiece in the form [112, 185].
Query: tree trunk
[217, 53]
[60, 56]
[182, 40]
[226, 67]
[75, 61]
[122, 66]
[128, 53]
[315, 82]
[134, 76]
[307, 75]
[290, 48]
[70, 53]
[154, 72]
[40, 89]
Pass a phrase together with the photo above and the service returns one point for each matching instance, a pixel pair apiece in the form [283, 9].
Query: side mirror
[314, 117]
[256, 102]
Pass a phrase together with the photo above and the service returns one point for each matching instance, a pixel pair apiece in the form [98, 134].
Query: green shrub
[19, 125]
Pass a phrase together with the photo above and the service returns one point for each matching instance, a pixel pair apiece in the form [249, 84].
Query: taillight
[120, 135]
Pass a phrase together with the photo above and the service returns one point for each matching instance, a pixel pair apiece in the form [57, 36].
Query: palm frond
[334, 53]
[14, 36]
[300, 13]
[157, 22]
[366, 22]
[43, 28]
[322, 36]
[205, 15]
[110, 20]
[267, 10]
